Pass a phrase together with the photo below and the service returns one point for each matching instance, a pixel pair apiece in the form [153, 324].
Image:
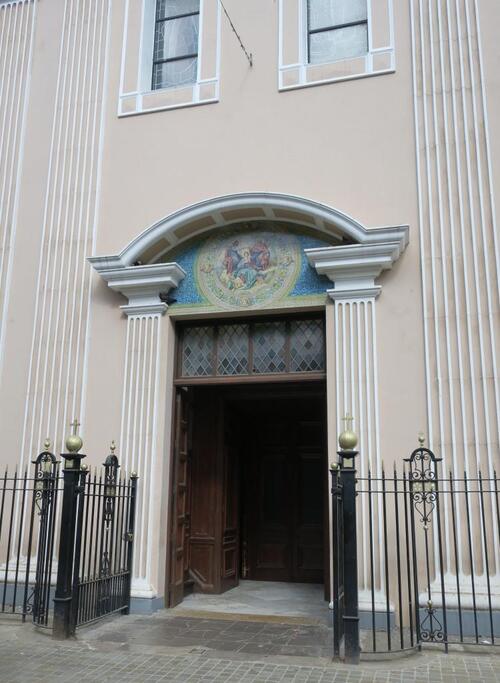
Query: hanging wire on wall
[247, 54]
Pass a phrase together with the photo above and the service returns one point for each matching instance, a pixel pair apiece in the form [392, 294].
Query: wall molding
[354, 268]
[217, 212]
[142, 285]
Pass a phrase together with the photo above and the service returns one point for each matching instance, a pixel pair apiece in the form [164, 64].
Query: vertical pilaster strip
[356, 393]
[459, 245]
[139, 433]
[58, 353]
[17, 27]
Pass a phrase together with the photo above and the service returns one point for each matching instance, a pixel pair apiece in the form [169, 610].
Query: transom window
[175, 55]
[337, 29]
[252, 349]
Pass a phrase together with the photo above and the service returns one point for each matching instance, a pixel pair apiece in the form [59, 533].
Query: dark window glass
[175, 52]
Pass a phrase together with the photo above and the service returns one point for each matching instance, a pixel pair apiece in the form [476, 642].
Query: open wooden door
[181, 505]
[230, 550]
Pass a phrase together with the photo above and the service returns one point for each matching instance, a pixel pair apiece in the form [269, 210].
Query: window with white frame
[336, 29]
[322, 41]
[175, 53]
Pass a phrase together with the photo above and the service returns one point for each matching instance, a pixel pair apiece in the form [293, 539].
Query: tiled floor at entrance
[263, 598]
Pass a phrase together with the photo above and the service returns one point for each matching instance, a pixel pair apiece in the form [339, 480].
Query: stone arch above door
[356, 257]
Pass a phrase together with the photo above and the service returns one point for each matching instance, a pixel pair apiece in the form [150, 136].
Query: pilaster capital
[142, 285]
[354, 293]
[353, 268]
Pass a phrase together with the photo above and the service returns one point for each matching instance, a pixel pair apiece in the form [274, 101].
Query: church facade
[225, 227]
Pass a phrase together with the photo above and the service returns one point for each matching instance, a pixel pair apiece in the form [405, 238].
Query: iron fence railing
[66, 541]
[28, 534]
[428, 557]
[104, 537]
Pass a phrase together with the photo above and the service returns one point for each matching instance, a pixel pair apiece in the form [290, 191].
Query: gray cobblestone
[27, 655]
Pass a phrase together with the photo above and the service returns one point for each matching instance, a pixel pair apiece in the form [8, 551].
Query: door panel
[230, 570]
[284, 494]
[206, 495]
[179, 540]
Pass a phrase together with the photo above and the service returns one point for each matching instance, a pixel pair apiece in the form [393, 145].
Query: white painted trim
[165, 228]
[142, 286]
[303, 65]
[353, 268]
[144, 69]
[354, 293]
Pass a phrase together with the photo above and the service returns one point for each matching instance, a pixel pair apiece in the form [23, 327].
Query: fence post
[338, 562]
[62, 627]
[347, 442]
[130, 536]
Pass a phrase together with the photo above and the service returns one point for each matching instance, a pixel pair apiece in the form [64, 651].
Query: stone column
[145, 411]
[352, 384]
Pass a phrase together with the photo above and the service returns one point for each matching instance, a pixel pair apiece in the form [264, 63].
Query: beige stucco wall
[91, 181]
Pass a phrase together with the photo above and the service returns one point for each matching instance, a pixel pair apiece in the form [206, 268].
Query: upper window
[337, 29]
[175, 55]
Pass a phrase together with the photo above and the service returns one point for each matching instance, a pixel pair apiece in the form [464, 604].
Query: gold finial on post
[47, 444]
[421, 439]
[348, 439]
[74, 441]
[112, 447]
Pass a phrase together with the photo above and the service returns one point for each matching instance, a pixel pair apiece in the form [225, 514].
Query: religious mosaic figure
[248, 268]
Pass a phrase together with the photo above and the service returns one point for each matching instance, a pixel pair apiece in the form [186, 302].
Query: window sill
[135, 103]
[376, 63]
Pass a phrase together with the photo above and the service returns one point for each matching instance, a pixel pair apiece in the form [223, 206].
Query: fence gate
[66, 538]
[28, 510]
[427, 556]
[104, 542]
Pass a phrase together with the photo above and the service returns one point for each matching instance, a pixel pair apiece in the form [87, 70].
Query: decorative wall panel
[17, 26]
[254, 266]
[458, 240]
[57, 379]
[354, 356]
[138, 433]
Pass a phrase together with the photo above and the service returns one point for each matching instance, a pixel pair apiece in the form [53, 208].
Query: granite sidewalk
[193, 649]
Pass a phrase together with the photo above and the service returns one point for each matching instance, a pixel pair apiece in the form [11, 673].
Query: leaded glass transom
[307, 346]
[232, 350]
[253, 349]
[198, 352]
[269, 347]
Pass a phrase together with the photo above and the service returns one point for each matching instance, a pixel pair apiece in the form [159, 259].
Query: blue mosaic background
[308, 281]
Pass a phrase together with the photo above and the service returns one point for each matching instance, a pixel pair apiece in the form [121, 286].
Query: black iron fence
[66, 539]
[427, 557]
[105, 534]
[28, 509]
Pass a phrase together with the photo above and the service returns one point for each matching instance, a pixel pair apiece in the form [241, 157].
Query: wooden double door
[249, 488]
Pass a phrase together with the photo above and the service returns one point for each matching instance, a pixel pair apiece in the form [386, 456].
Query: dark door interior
[249, 487]
[283, 468]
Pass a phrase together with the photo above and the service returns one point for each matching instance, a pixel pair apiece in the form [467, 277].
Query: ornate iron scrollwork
[45, 477]
[110, 480]
[431, 629]
[423, 483]
[424, 497]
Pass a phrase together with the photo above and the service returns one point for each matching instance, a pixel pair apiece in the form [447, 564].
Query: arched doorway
[156, 273]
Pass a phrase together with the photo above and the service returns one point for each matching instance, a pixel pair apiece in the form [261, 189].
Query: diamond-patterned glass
[198, 352]
[307, 346]
[269, 341]
[232, 350]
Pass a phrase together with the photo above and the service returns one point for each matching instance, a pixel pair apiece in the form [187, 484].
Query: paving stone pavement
[150, 649]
